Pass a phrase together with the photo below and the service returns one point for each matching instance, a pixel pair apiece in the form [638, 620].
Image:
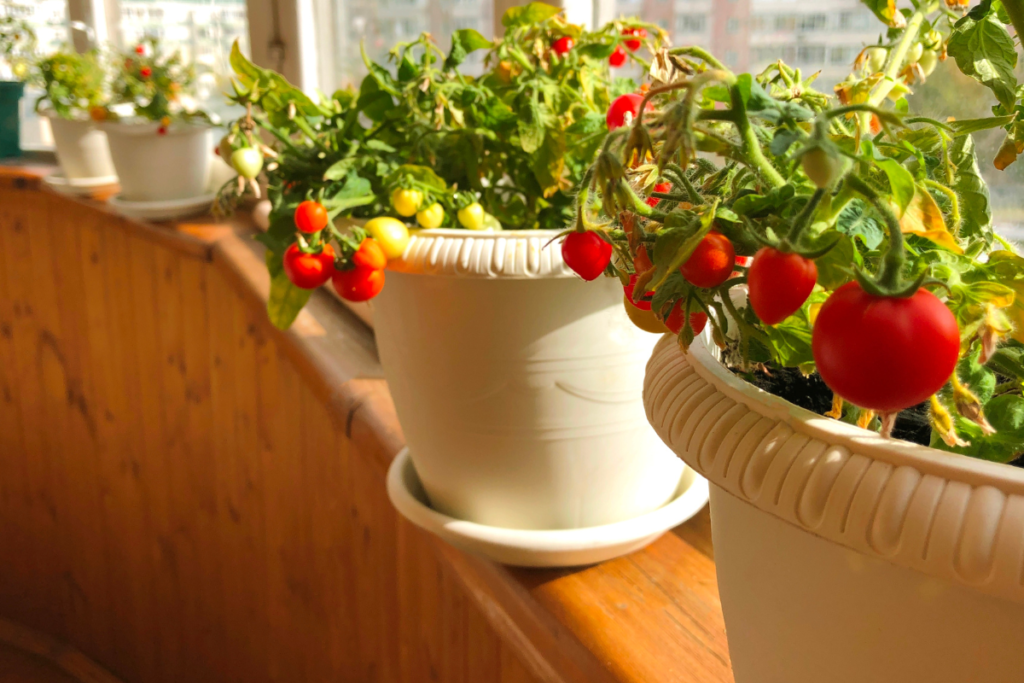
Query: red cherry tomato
[884, 353]
[617, 58]
[139, 49]
[630, 102]
[145, 72]
[358, 284]
[563, 45]
[587, 254]
[674, 321]
[310, 217]
[711, 263]
[779, 284]
[629, 291]
[642, 262]
[660, 187]
[640, 33]
[308, 271]
[370, 255]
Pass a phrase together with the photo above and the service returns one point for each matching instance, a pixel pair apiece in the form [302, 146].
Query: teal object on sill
[10, 126]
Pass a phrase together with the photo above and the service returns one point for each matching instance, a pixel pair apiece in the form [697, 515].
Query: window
[811, 22]
[378, 25]
[691, 23]
[732, 26]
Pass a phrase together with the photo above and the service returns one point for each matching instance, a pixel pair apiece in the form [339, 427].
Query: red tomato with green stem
[308, 271]
[370, 255]
[617, 58]
[310, 217]
[662, 188]
[779, 284]
[562, 46]
[145, 72]
[711, 263]
[586, 254]
[884, 353]
[634, 44]
[623, 104]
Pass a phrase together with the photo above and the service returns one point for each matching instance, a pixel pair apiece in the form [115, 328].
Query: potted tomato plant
[496, 354]
[160, 141]
[17, 44]
[74, 95]
[853, 392]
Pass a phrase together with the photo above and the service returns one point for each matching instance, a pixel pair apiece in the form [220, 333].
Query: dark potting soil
[810, 392]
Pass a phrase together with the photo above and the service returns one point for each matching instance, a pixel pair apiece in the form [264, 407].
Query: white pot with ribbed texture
[842, 556]
[82, 149]
[159, 167]
[518, 385]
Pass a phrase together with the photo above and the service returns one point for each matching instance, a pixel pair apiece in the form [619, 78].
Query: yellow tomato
[406, 202]
[472, 217]
[645, 320]
[431, 217]
[390, 234]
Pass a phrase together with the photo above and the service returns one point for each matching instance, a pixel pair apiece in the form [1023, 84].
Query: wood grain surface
[188, 494]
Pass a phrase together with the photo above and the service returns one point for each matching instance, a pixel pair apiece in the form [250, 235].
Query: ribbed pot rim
[484, 254]
[941, 514]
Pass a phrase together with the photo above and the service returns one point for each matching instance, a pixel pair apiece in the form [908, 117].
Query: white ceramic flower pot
[154, 167]
[82, 149]
[842, 556]
[518, 385]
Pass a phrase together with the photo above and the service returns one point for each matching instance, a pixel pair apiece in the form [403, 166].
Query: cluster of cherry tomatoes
[561, 46]
[358, 274]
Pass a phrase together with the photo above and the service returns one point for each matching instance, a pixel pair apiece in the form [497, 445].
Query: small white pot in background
[842, 556]
[82, 149]
[518, 385]
[155, 167]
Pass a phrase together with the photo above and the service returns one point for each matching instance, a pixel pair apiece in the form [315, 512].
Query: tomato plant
[875, 262]
[72, 82]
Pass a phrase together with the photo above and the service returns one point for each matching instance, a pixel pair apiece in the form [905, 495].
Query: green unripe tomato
[929, 60]
[875, 58]
[430, 217]
[472, 217]
[247, 161]
[820, 167]
[914, 53]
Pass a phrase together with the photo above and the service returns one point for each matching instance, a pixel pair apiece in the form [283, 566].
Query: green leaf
[856, 220]
[531, 126]
[674, 288]
[590, 124]
[967, 126]
[420, 174]
[373, 101]
[975, 204]
[549, 162]
[598, 51]
[464, 41]
[791, 340]
[983, 49]
[834, 267]
[901, 181]
[534, 13]
[885, 10]
[339, 169]
[286, 300]
[1006, 415]
[783, 139]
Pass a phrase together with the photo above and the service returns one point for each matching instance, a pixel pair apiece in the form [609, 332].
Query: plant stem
[804, 217]
[691, 191]
[751, 145]
[891, 271]
[699, 53]
[894, 63]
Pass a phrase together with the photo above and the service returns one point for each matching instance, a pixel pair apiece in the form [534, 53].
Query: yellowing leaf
[923, 217]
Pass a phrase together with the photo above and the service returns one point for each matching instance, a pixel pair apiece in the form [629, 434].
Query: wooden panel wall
[177, 501]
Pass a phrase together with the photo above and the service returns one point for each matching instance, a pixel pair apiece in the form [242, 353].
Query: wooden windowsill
[650, 617]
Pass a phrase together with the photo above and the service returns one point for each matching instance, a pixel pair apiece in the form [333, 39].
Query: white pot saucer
[58, 182]
[542, 548]
[165, 209]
